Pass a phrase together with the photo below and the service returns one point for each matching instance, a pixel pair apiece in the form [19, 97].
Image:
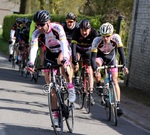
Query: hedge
[10, 19]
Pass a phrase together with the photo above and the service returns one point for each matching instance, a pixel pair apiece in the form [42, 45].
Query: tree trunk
[25, 6]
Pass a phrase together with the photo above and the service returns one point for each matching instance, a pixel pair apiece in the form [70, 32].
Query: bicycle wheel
[80, 90]
[108, 109]
[20, 64]
[14, 56]
[88, 94]
[36, 73]
[113, 104]
[54, 100]
[70, 119]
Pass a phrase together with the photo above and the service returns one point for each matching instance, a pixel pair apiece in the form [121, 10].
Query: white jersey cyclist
[104, 50]
[107, 51]
[57, 48]
[55, 41]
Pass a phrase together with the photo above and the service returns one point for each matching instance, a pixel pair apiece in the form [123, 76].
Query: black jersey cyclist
[104, 52]
[81, 47]
[70, 25]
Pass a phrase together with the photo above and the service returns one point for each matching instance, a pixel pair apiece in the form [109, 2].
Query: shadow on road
[24, 130]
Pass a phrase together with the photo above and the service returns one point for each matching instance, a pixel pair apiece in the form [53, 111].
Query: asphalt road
[24, 110]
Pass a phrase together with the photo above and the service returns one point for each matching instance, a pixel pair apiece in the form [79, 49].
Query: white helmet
[106, 29]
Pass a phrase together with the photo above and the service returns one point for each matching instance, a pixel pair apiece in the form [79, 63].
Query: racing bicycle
[57, 89]
[109, 96]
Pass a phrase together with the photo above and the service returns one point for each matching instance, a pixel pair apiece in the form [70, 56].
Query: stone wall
[139, 46]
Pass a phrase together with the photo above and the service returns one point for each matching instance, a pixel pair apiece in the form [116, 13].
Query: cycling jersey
[80, 43]
[69, 32]
[107, 51]
[55, 41]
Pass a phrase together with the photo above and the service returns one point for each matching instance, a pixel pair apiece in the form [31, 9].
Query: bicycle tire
[70, 119]
[58, 130]
[20, 64]
[37, 65]
[80, 98]
[14, 57]
[80, 91]
[108, 109]
[88, 94]
[113, 104]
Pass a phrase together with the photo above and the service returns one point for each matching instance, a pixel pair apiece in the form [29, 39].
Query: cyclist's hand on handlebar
[125, 70]
[65, 62]
[74, 62]
[30, 67]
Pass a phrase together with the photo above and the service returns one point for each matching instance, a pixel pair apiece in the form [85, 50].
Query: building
[139, 47]
[8, 8]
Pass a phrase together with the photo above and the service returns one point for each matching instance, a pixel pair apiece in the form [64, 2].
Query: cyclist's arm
[63, 39]
[94, 51]
[93, 60]
[12, 34]
[74, 44]
[122, 56]
[120, 47]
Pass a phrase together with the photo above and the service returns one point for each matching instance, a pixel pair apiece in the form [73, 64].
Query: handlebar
[110, 66]
[50, 67]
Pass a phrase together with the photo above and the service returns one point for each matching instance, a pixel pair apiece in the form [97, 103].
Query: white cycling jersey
[106, 48]
[55, 41]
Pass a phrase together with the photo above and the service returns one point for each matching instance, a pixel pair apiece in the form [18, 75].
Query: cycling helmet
[25, 20]
[84, 24]
[106, 29]
[41, 16]
[71, 16]
[18, 20]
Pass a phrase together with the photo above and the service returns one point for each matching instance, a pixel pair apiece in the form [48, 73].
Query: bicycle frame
[84, 89]
[110, 93]
[57, 89]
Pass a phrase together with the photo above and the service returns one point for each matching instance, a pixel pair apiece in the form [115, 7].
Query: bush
[10, 19]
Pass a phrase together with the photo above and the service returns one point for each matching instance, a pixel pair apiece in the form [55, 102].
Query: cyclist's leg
[117, 87]
[51, 57]
[68, 77]
[11, 48]
[99, 62]
[76, 69]
[87, 57]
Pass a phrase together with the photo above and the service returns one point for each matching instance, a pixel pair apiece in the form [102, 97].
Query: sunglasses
[40, 24]
[69, 21]
[106, 36]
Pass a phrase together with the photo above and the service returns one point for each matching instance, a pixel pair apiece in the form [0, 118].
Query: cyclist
[104, 51]
[56, 50]
[70, 25]
[81, 48]
[13, 36]
[23, 39]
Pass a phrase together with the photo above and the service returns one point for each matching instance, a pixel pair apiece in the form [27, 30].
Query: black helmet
[25, 20]
[18, 20]
[71, 16]
[84, 24]
[41, 16]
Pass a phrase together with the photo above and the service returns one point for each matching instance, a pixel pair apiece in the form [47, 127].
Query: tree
[25, 7]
